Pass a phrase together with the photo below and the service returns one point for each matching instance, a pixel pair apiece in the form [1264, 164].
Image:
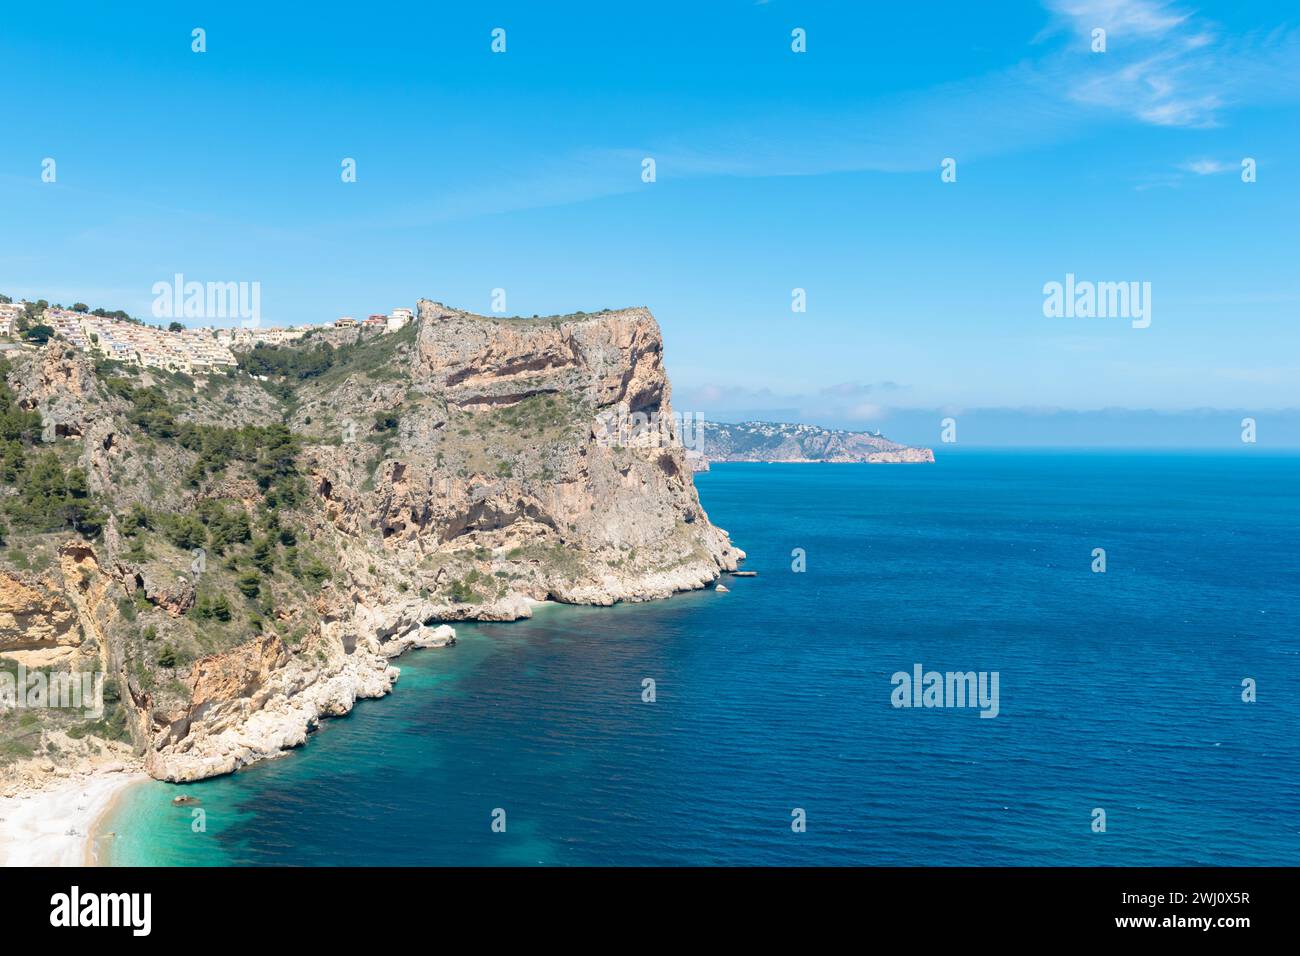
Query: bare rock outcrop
[34, 613]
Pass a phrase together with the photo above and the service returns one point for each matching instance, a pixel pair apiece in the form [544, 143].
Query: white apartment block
[8, 316]
[192, 351]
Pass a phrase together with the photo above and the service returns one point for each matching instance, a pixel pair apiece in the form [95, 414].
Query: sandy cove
[51, 821]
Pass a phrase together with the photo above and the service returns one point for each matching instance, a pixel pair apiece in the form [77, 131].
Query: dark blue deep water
[1120, 691]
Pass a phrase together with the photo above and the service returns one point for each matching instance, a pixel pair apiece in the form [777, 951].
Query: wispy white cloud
[1169, 67]
[1208, 167]
[1135, 17]
[1164, 66]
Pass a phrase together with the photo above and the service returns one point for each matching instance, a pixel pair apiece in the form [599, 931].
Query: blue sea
[1120, 691]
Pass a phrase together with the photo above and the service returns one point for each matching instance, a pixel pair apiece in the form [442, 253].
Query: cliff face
[35, 615]
[501, 481]
[270, 541]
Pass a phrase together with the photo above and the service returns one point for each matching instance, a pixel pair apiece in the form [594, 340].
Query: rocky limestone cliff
[270, 541]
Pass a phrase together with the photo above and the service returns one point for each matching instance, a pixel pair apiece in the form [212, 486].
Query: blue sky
[775, 170]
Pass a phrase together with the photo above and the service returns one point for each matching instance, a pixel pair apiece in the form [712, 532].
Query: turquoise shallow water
[1117, 690]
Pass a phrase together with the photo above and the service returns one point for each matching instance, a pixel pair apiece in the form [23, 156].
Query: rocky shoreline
[51, 815]
[258, 700]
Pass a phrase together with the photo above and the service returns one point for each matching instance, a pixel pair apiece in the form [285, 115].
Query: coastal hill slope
[778, 441]
[243, 554]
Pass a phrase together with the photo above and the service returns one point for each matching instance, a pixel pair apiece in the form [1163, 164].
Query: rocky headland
[245, 554]
[783, 442]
